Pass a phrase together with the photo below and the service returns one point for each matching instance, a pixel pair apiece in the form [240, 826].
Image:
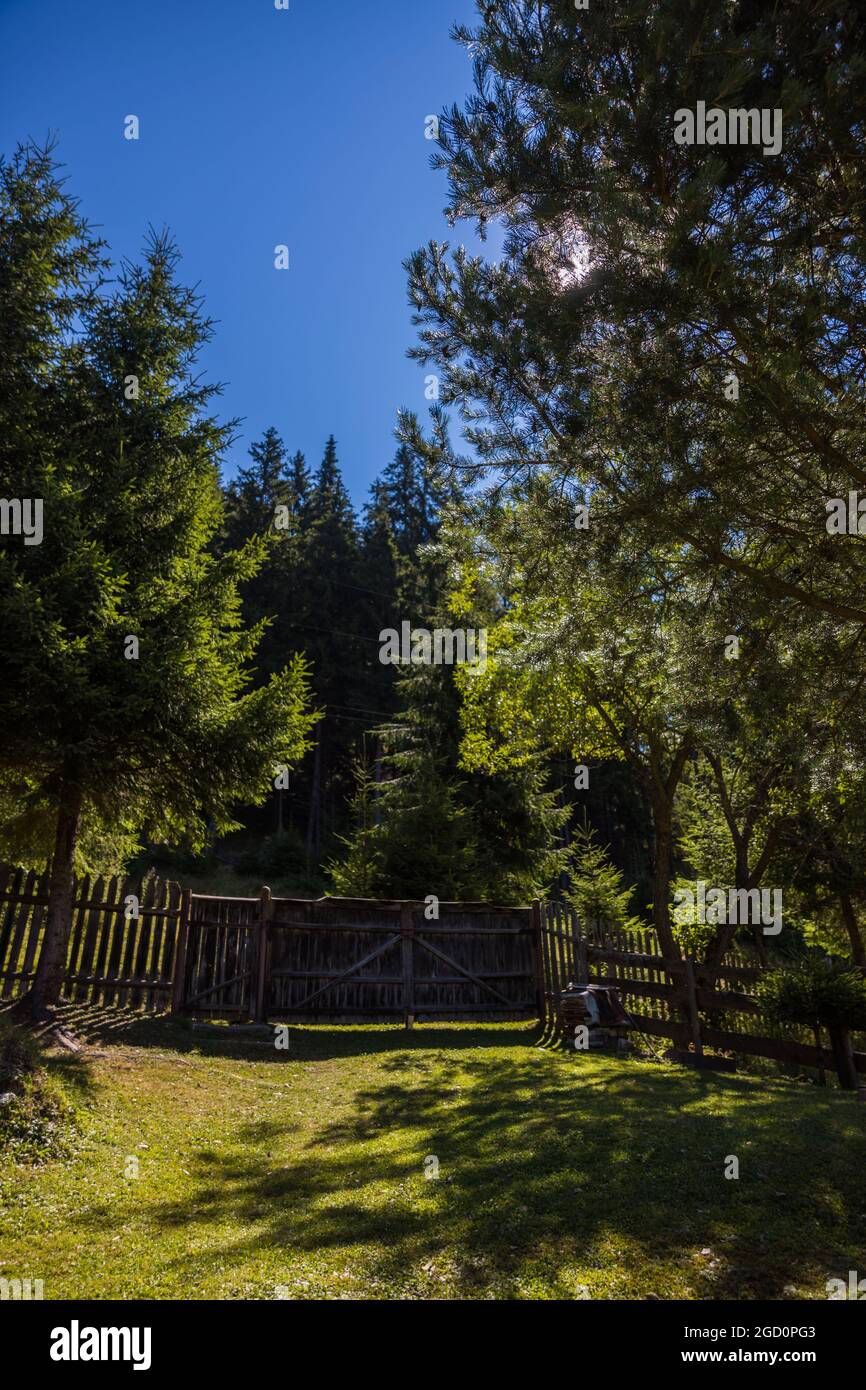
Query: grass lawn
[302, 1174]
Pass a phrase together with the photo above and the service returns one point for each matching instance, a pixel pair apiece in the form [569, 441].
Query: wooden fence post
[407, 948]
[692, 997]
[181, 941]
[538, 958]
[582, 961]
[259, 974]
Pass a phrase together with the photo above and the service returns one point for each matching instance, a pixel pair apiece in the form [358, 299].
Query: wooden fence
[352, 958]
[668, 998]
[267, 957]
[114, 956]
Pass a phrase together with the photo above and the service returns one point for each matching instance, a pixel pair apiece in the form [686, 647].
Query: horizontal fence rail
[668, 998]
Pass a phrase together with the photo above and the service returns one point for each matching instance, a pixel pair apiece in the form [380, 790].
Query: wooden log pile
[599, 1009]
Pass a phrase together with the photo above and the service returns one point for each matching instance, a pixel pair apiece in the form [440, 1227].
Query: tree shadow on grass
[546, 1167]
[101, 1025]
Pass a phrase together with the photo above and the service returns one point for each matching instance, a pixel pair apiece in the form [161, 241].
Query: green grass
[305, 1172]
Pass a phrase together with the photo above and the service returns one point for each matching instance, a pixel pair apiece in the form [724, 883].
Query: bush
[173, 861]
[18, 1056]
[37, 1120]
[815, 992]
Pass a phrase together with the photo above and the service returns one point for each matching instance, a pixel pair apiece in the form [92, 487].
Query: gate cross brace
[449, 960]
[344, 975]
[221, 984]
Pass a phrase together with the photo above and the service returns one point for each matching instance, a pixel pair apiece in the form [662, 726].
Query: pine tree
[326, 629]
[126, 692]
[596, 890]
[299, 488]
[254, 496]
[666, 319]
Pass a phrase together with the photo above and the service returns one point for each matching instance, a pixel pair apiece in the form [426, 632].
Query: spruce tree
[356, 871]
[299, 487]
[258, 508]
[327, 631]
[596, 891]
[126, 688]
[258, 490]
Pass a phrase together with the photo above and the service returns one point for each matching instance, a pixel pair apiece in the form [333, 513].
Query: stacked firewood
[596, 1007]
[577, 1006]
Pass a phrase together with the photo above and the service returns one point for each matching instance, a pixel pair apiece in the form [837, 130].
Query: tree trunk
[849, 917]
[726, 931]
[819, 1043]
[745, 880]
[45, 992]
[377, 777]
[662, 877]
[314, 817]
[843, 1057]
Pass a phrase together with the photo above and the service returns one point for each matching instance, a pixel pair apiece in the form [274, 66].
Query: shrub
[815, 992]
[37, 1120]
[18, 1056]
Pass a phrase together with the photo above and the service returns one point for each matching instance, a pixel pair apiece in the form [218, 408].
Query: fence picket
[8, 911]
[18, 927]
[107, 925]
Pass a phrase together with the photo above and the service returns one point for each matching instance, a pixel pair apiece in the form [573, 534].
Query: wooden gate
[352, 958]
[217, 963]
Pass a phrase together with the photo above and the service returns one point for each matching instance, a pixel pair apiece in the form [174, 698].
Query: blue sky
[261, 127]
